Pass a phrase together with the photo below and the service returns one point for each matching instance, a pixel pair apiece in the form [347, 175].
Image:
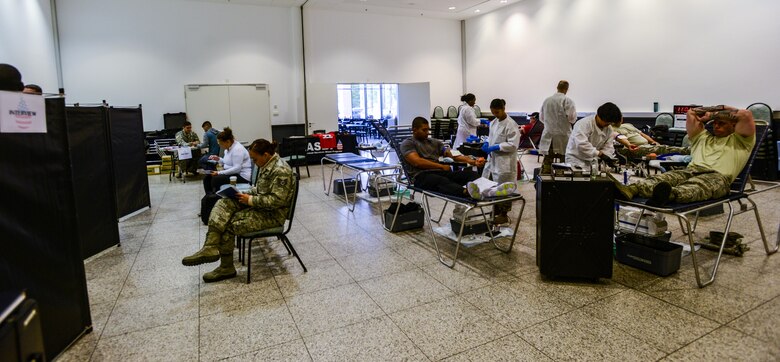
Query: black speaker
[174, 120]
[574, 228]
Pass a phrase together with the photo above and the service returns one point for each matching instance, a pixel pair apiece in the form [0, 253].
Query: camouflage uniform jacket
[184, 139]
[274, 188]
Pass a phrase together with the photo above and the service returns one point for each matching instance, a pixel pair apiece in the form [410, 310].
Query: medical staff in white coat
[592, 137]
[558, 114]
[501, 166]
[467, 120]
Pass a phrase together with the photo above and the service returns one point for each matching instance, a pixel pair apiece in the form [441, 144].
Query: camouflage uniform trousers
[694, 183]
[229, 218]
[647, 149]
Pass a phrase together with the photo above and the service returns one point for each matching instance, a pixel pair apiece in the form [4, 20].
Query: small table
[356, 163]
[173, 151]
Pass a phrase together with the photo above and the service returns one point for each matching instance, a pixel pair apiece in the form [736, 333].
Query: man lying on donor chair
[716, 159]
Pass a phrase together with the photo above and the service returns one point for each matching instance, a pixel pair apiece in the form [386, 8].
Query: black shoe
[662, 192]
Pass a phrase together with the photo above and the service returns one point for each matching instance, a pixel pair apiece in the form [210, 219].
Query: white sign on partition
[185, 153]
[22, 113]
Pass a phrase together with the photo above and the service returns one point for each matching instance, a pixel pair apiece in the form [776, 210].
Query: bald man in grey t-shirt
[421, 154]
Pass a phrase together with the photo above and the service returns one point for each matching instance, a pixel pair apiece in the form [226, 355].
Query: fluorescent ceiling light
[451, 8]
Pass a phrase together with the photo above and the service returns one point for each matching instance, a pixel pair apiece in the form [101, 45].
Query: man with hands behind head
[716, 159]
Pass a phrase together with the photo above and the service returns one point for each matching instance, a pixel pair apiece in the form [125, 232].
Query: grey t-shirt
[429, 149]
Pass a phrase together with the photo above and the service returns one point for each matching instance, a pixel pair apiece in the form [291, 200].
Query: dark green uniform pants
[694, 183]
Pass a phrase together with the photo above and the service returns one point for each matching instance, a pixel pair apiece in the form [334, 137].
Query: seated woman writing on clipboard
[236, 162]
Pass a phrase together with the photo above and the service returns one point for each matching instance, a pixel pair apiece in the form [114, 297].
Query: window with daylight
[368, 101]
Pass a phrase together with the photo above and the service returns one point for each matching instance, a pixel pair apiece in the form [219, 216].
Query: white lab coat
[467, 124]
[586, 140]
[558, 114]
[501, 165]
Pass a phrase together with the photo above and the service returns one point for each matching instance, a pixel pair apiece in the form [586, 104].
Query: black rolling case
[574, 228]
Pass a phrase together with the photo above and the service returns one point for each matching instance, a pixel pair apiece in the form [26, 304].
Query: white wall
[630, 52]
[27, 41]
[413, 101]
[347, 47]
[131, 52]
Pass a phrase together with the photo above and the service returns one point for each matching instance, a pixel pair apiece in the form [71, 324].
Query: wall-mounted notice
[680, 115]
[22, 113]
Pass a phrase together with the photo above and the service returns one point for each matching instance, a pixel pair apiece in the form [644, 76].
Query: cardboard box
[653, 254]
[153, 169]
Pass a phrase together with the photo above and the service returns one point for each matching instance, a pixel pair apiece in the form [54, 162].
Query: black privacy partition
[93, 178]
[39, 247]
[126, 127]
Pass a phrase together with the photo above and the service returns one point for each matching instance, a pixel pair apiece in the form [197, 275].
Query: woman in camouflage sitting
[264, 206]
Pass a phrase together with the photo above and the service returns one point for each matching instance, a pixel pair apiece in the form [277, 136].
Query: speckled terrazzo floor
[371, 295]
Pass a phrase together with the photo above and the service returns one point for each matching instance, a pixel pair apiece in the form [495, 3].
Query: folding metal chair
[738, 194]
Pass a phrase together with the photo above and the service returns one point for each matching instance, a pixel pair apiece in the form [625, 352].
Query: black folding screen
[93, 178]
[39, 245]
[126, 127]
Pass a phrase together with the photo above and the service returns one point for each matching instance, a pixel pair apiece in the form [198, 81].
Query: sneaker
[662, 193]
[473, 190]
[504, 189]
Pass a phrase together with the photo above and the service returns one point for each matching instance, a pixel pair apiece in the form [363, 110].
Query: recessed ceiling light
[476, 11]
[502, 1]
[451, 8]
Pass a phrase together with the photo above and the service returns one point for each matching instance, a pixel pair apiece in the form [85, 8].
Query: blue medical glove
[484, 121]
[472, 139]
[488, 148]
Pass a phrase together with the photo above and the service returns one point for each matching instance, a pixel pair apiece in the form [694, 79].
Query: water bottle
[339, 146]
[594, 170]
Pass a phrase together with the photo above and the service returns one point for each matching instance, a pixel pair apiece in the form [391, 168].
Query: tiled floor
[370, 295]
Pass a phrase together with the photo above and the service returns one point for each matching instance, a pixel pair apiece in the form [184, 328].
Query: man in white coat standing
[591, 137]
[558, 114]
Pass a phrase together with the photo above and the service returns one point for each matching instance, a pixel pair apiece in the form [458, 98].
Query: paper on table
[185, 153]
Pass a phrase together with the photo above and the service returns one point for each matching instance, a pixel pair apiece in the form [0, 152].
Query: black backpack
[206, 204]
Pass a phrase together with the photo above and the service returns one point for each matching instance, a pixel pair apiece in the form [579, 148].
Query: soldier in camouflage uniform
[637, 144]
[265, 206]
[187, 138]
[717, 159]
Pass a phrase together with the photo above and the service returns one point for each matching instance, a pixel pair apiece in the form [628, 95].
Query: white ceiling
[464, 9]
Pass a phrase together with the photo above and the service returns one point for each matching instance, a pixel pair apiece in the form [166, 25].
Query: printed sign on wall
[22, 113]
[680, 114]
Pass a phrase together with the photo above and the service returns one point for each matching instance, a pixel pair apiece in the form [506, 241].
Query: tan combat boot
[624, 192]
[208, 253]
[225, 270]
